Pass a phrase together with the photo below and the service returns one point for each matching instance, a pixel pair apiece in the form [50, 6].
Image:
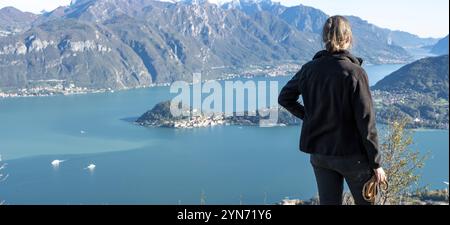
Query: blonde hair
[337, 34]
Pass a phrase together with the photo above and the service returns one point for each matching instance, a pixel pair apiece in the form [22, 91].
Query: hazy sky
[422, 17]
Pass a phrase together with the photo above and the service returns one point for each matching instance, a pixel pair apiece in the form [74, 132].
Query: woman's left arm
[364, 114]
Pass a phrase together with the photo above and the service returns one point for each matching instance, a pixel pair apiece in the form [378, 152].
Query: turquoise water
[137, 165]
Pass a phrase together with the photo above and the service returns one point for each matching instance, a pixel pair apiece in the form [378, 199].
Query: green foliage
[400, 162]
[434, 195]
[418, 91]
[431, 112]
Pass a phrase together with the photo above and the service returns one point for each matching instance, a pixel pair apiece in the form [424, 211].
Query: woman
[338, 117]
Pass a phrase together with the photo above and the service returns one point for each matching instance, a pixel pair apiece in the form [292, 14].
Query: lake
[138, 165]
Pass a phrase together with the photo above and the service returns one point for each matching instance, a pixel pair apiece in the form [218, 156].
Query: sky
[426, 18]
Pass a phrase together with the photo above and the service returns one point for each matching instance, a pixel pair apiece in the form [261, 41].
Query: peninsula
[160, 116]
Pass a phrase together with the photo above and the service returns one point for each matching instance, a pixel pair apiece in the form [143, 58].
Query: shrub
[401, 163]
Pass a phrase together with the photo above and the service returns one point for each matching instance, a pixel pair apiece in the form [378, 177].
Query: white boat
[56, 162]
[91, 167]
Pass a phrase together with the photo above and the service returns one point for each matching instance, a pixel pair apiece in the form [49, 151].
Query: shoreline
[4, 95]
[248, 73]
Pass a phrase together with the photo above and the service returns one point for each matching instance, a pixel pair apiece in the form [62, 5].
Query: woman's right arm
[289, 96]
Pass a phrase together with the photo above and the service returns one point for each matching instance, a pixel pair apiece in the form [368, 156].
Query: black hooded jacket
[338, 114]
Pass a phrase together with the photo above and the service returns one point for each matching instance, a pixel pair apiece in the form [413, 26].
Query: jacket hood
[340, 55]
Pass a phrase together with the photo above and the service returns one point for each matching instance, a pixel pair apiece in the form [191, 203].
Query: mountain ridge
[427, 75]
[419, 91]
[13, 20]
[441, 48]
[139, 43]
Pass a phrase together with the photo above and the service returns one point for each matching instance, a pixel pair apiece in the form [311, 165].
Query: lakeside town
[423, 110]
[160, 116]
[59, 87]
[51, 91]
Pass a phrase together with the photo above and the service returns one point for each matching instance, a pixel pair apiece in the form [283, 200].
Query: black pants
[330, 172]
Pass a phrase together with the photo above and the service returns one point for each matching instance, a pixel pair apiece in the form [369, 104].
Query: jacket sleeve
[289, 96]
[365, 117]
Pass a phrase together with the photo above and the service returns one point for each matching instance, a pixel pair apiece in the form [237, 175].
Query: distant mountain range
[419, 91]
[441, 48]
[122, 44]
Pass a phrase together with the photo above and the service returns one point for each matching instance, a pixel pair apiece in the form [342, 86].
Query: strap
[371, 189]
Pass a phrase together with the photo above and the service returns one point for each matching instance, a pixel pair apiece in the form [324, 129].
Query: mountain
[13, 20]
[73, 51]
[372, 43]
[407, 40]
[419, 91]
[124, 44]
[251, 7]
[384, 41]
[441, 48]
[428, 75]
[304, 18]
